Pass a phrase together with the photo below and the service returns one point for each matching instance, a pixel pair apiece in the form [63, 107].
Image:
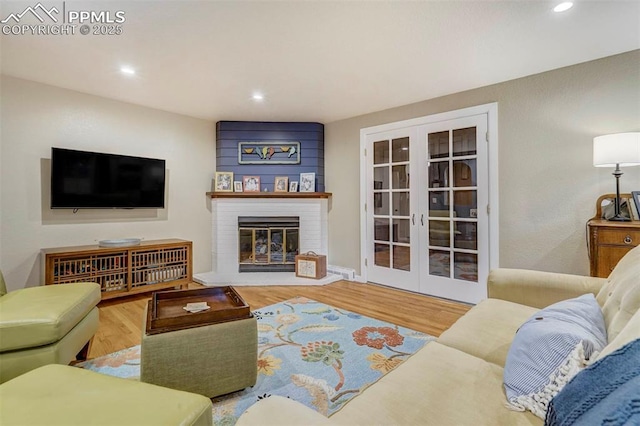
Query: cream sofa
[458, 380]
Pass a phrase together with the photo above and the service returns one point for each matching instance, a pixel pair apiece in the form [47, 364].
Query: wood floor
[121, 319]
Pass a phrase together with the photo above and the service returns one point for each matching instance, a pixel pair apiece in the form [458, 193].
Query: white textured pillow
[550, 348]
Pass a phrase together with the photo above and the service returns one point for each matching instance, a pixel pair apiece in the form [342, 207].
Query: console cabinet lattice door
[427, 226]
[150, 266]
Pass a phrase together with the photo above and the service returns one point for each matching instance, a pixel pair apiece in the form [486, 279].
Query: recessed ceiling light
[127, 70]
[257, 97]
[563, 6]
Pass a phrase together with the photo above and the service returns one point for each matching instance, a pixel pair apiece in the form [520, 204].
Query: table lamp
[617, 150]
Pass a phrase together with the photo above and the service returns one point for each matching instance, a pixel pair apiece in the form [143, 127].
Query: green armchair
[50, 324]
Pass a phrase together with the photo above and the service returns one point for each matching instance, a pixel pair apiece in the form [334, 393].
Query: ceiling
[313, 60]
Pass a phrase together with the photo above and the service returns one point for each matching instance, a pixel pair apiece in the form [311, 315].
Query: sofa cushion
[42, 315]
[280, 411]
[620, 296]
[550, 348]
[438, 385]
[630, 332]
[63, 395]
[486, 331]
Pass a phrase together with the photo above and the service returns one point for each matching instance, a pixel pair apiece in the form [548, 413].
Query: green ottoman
[211, 360]
[63, 395]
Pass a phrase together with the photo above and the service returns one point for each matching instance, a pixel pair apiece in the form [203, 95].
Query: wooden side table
[609, 242]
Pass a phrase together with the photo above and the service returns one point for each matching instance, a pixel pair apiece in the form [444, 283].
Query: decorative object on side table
[636, 200]
[617, 150]
[281, 184]
[224, 181]
[251, 183]
[307, 182]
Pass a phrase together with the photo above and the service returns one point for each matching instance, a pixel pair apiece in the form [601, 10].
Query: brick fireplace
[227, 209]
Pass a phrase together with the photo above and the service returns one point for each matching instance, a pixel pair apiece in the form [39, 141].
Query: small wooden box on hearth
[311, 265]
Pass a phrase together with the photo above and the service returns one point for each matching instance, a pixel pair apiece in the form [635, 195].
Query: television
[93, 180]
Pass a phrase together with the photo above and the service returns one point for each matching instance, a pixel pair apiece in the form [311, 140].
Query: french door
[426, 208]
[391, 209]
[454, 241]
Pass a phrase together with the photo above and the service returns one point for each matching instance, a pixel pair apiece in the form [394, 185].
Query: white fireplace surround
[224, 251]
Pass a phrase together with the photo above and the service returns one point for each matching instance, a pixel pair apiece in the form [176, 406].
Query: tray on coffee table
[165, 311]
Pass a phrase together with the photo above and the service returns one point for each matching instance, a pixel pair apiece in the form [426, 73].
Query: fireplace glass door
[267, 248]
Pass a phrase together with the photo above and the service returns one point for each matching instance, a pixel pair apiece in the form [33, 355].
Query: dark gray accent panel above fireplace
[310, 136]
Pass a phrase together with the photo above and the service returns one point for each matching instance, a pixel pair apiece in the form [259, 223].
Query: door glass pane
[465, 204]
[381, 229]
[293, 240]
[380, 152]
[381, 203]
[466, 235]
[246, 246]
[261, 245]
[402, 258]
[464, 173]
[439, 203]
[440, 263]
[466, 266]
[439, 145]
[439, 233]
[401, 230]
[464, 142]
[400, 150]
[382, 254]
[401, 204]
[400, 175]
[381, 177]
[438, 174]
[277, 240]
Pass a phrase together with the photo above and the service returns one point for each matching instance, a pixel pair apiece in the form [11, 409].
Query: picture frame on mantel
[237, 186]
[281, 184]
[251, 183]
[307, 182]
[293, 186]
[224, 182]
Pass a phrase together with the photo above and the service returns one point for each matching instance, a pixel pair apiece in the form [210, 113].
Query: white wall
[548, 186]
[36, 117]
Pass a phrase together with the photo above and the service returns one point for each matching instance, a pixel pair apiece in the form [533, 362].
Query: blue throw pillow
[605, 393]
[550, 348]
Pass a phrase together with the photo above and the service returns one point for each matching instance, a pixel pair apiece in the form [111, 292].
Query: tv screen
[92, 180]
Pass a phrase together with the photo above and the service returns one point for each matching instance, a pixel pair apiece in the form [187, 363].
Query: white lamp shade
[618, 148]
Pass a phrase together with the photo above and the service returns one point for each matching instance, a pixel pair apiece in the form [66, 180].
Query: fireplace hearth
[268, 243]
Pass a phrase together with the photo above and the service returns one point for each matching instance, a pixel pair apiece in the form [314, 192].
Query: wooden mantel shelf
[269, 194]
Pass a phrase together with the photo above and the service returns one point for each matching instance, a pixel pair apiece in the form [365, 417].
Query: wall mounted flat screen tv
[92, 180]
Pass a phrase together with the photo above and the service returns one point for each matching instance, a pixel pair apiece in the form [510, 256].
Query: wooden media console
[121, 271]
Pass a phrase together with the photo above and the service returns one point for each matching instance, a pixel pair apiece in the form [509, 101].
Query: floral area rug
[308, 351]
